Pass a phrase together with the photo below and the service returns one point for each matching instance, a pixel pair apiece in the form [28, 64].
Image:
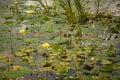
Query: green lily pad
[110, 49]
[32, 40]
[56, 47]
[87, 78]
[58, 40]
[106, 62]
[116, 66]
[107, 68]
[102, 77]
[50, 29]
[114, 59]
[105, 74]
[87, 71]
[17, 73]
[63, 70]
[117, 77]
[3, 56]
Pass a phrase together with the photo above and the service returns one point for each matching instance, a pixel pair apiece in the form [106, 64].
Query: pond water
[48, 31]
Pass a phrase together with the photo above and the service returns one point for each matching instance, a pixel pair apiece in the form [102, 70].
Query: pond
[63, 40]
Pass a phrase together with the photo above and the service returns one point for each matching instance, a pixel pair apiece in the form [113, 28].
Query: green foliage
[26, 55]
[8, 22]
[67, 6]
[17, 73]
[41, 78]
[32, 40]
[110, 49]
[106, 62]
[106, 68]
[116, 66]
[45, 8]
[83, 16]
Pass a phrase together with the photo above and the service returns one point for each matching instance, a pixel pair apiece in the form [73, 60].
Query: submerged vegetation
[66, 39]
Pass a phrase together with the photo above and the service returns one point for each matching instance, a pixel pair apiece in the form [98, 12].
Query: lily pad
[116, 66]
[32, 40]
[107, 68]
[3, 56]
[17, 73]
[106, 62]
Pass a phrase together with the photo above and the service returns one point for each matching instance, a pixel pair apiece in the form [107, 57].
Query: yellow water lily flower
[29, 11]
[16, 2]
[16, 67]
[22, 31]
[45, 45]
[10, 79]
[92, 58]
[32, 5]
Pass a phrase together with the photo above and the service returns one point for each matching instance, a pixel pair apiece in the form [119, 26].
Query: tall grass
[67, 6]
[75, 10]
[81, 11]
[44, 7]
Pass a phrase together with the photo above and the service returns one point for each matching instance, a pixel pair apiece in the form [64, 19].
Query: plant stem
[67, 6]
[8, 64]
[11, 40]
[47, 75]
[23, 37]
[97, 6]
[79, 8]
[76, 65]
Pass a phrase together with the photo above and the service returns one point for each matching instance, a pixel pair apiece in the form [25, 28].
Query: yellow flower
[16, 2]
[45, 45]
[92, 58]
[10, 79]
[29, 11]
[32, 5]
[15, 67]
[22, 31]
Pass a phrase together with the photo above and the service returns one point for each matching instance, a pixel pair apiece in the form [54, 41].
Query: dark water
[47, 75]
[4, 4]
[118, 48]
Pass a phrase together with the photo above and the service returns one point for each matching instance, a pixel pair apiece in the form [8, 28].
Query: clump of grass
[44, 7]
[67, 6]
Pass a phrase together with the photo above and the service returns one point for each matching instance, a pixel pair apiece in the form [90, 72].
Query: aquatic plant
[73, 45]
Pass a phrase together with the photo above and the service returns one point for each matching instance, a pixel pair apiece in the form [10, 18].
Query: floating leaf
[17, 73]
[56, 47]
[42, 78]
[115, 59]
[50, 29]
[115, 77]
[87, 78]
[116, 66]
[106, 62]
[63, 70]
[107, 67]
[3, 56]
[110, 49]
[103, 77]
[8, 22]
[19, 38]
[32, 40]
[58, 40]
